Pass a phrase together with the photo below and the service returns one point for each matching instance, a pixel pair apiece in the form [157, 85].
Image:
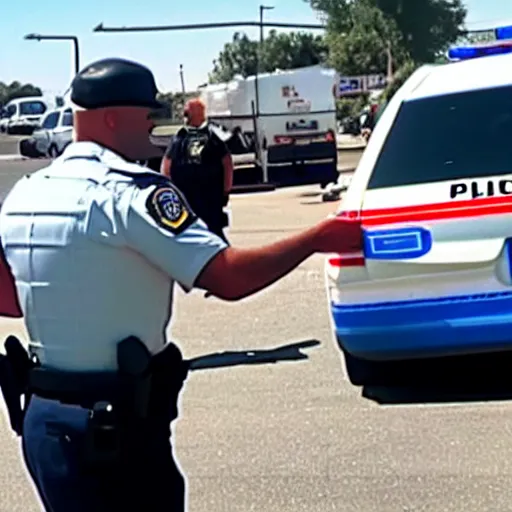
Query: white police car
[433, 192]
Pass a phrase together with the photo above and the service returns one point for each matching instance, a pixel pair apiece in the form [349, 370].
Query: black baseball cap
[115, 82]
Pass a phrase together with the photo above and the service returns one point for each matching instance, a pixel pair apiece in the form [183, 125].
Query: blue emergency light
[483, 50]
[502, 33]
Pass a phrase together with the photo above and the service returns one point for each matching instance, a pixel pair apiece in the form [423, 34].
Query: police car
[433, 193]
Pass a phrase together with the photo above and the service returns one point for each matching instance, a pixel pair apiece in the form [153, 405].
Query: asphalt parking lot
[290, 434]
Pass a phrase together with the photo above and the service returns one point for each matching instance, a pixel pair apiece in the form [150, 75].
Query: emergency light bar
[483, 50]
[502, 33]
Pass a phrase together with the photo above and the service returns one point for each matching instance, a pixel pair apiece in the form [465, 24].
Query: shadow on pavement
[291, 352]
[479, 378]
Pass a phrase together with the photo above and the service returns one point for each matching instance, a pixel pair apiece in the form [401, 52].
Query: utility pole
[182, 81]
[259, 54]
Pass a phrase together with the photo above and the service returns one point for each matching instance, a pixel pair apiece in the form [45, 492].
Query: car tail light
[329, 136]
[353, 259]
[283, 139]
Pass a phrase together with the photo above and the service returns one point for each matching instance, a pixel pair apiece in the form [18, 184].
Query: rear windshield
[463, 135]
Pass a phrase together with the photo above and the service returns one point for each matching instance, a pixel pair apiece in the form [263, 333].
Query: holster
[126, 407]
[15, 366]
[148, 389]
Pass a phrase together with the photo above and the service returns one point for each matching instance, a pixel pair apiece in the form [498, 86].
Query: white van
[23, 115]
[55, 132]
[293, 137]
[433, 195]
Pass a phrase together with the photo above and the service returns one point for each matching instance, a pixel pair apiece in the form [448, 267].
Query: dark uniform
[197, 170]
[96, 244]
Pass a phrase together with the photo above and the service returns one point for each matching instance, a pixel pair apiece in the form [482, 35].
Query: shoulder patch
[169, 208]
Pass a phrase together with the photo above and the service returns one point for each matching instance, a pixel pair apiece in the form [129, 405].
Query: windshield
[32, 108]
[463, 135]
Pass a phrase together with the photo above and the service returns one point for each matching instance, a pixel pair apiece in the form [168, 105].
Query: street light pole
[182, 81]
[258, 57]
[73, 39]
[259, 54]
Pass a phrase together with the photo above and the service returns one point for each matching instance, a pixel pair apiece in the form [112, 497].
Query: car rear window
[450, 137]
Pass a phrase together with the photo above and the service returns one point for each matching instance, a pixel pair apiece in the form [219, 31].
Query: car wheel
[363, 372]
[53, 152]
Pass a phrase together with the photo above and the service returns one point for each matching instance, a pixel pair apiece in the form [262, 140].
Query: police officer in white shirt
[95, 244]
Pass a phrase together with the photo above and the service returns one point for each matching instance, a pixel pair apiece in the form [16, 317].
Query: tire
[363, 372]
[53, 152]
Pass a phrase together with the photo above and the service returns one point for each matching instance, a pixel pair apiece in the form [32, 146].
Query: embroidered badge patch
[169, 209]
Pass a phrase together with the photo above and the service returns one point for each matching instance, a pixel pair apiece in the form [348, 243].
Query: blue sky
[48, 64]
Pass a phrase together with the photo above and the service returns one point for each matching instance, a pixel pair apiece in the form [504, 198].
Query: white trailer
[286, 123]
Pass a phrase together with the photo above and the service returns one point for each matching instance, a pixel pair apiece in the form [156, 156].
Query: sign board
[350, 85]
[302, 124]
[299, 105]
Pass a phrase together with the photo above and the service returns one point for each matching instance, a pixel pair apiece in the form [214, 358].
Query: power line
[196, 26]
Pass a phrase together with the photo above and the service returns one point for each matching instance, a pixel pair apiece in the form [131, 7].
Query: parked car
[55, 133]
[21, 116]
[27, 148]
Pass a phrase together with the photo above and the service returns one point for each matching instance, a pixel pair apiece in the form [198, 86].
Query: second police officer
[198, 162]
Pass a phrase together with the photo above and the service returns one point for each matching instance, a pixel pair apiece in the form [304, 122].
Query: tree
[279, 51]
[368, 40]
[239, 57]
[399, 79]
[17, 90]
[291, 51]
[426, 27]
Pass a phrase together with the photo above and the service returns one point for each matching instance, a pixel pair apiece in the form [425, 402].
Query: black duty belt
[73, 388]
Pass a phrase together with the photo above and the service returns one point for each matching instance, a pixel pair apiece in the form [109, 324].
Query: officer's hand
[339, 234]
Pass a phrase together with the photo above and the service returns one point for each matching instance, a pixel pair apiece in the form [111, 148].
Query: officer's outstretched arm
[161, 226]
[227, 163]
[237, 273]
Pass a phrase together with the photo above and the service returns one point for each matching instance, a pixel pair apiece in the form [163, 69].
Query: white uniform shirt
[95, 245]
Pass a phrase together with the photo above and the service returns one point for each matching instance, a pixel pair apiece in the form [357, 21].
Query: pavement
[9, 149]
[269, 421]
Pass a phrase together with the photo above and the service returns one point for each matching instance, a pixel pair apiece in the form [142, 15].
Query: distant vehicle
[433, 196]
[22, 115]
[55, 132]
[292, 139]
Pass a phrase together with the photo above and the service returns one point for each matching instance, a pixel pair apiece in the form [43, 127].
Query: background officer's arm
[165, 167]
[227, 163]
[223, 154]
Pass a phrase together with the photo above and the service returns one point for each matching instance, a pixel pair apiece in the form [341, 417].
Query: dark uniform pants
[52, 442]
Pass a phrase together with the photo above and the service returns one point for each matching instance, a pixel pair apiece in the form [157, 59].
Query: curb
[355, 147]
[12, 158]
[259, 187]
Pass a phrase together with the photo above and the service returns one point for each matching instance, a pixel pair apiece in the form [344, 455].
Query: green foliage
[398, 80]
[368, 40]
[428, 27]
[279, 51]
[15, 90]
[359, 31]
[239, 57]
[176, 102]
[350, 106]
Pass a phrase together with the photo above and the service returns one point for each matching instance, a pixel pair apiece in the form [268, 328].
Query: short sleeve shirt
[95, 245]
